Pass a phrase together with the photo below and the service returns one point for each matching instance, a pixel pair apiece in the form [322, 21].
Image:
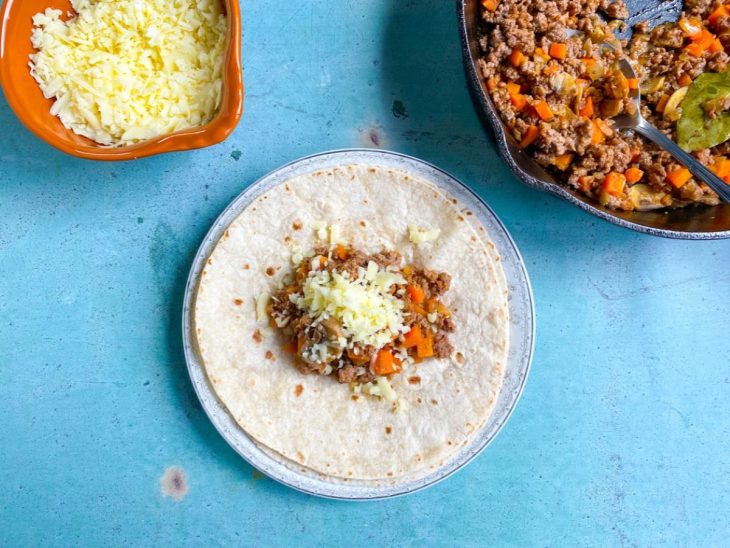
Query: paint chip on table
[174, 483]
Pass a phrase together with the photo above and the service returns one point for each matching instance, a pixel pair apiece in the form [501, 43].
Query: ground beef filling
[557, 90]
[423, 313]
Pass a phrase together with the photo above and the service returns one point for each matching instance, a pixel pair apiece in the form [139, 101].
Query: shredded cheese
[420, 235]
[335, 235]
[363, 306]
[123, 71]
[380, 388]
[262, 302]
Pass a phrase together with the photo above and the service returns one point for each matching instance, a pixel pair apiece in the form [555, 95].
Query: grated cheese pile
[123, 71]
[364, 306]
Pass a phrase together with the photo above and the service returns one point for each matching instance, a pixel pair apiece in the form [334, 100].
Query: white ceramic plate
[522, 332]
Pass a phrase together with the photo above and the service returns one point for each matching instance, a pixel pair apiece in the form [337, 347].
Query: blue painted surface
[622, 436]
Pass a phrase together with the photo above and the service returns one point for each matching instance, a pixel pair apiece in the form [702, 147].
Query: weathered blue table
[623, 433]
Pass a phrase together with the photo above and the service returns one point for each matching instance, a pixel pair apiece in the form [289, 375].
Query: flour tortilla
[313, 420]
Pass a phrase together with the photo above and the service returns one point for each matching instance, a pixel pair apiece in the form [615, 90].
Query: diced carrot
[633, 175]
[588, 61]
[385, 363]
[516, 58]
[604, 127]
[679, 177]
[695, 49]
[513, 88]
[721, 167]
[716, 46]
[417, 309]
[597, 135]
[341, 252]
[360, 357]
[587, 110]
[633, 83]
[532, 133]
[416, 293]
[322, 261]
[705, 39]
[425, 348]
[539, 52]
[685, 80]
[490, 5]
[552, 68]
[691, 27]
[413, 337]
[662, 104]
[614, 183]
[635, 153]
[558, 50]
[519, 101]
[543, 111]
[492, 83]
[434, 305]
[585, 182]
[716, 15]
[563, 161]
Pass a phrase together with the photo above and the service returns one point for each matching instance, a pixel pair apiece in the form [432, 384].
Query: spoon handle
[689, 161]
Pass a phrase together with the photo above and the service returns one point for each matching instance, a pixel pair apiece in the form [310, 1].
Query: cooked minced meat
[426, 321]
[557, 89]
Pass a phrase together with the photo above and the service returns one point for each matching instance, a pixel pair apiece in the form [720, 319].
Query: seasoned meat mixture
[325, 345]
[557, 89]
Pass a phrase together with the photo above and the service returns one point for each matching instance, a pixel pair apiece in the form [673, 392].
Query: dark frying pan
[689, 223]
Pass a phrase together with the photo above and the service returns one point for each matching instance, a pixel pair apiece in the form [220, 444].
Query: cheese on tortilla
[364, 306]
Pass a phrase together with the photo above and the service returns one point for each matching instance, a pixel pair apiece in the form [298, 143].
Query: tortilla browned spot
[297, 225]
[388, 429]
[257, 336]
[434, 402]
[270, 356]
[298, 389]
[246, 266]
[415, 379]
[238, 302]
[270, 271]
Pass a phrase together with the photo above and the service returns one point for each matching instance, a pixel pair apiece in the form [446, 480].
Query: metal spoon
[639, 124]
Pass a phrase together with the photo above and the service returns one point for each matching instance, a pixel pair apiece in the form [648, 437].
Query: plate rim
[212, 405]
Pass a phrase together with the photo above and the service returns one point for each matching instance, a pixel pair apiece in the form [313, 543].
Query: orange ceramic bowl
[26, 99]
